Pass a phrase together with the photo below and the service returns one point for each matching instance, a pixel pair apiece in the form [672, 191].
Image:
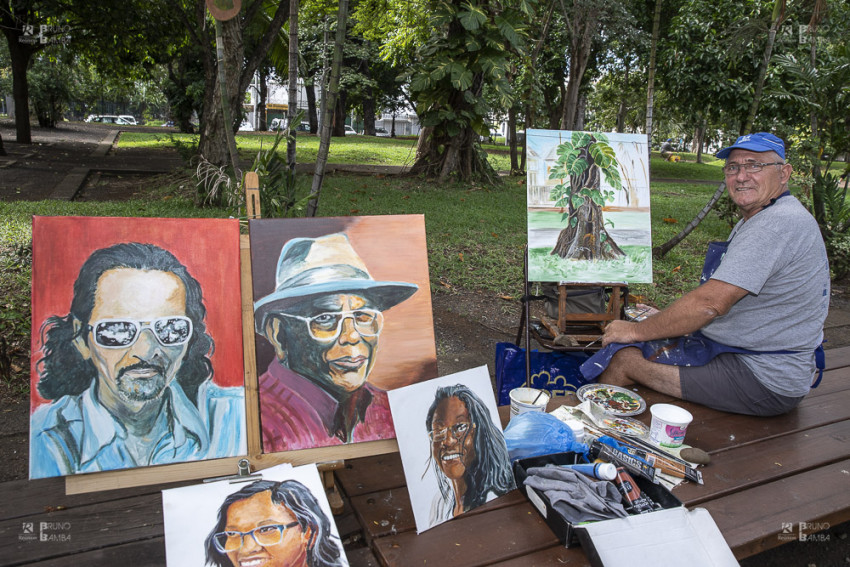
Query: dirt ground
[467, 323]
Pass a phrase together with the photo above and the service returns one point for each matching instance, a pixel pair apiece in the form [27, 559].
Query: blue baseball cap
[758, 142]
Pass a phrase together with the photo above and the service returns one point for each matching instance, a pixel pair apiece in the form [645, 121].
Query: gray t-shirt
[778, 256]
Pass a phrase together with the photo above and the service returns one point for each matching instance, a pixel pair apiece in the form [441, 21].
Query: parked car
[303, 127]
[246, 126]
[107, 119]
[349, 131]
[129, 119]
[382, 133]
[277, 124]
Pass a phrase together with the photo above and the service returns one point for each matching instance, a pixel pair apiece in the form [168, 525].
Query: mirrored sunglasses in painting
[122, 333]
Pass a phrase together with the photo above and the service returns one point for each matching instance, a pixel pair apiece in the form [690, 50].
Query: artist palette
[614, 400]
[624, 426]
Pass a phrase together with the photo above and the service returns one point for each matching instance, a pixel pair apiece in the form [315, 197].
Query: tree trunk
[623, 108]
[512, 132]
[262, 99]
[312, 116]
[778, 16]
[588, 239]
[20, 55]
[583, 25]
[338, 122]
[650, 87]
[328, 104]
[369, 109]
[660, 251]
[292, 110]
[213, 144]
[700, 140]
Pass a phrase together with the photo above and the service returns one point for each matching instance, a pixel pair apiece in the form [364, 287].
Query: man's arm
[689, 313]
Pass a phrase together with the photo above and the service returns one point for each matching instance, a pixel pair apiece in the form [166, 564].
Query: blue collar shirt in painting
[76, 434]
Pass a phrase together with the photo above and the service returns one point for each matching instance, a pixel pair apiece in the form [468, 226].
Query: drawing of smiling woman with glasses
[273, 524]
[468, 453]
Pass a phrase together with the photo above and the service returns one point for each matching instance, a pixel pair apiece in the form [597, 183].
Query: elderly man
[754, 324]
[128, 371]
[324, 320]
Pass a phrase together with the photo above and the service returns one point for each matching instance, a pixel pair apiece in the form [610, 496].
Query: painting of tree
[588, 207]
[580, 163]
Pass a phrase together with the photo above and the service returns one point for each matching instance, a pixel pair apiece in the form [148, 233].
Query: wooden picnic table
[765, 473]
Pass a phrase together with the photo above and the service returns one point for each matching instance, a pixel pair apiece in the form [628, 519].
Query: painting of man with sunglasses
[325, 320]
[128, 371]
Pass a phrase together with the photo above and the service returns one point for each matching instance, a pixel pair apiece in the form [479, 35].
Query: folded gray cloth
[577, 497]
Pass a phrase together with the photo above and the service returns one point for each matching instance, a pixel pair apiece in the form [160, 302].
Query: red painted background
[209, 248]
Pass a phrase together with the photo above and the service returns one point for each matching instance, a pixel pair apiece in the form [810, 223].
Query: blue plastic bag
[555, 372]
[532, 434]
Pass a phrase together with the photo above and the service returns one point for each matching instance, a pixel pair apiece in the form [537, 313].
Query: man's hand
[619, 332]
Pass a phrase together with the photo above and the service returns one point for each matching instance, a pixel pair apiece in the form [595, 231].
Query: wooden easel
[327, 459]
[571, 331]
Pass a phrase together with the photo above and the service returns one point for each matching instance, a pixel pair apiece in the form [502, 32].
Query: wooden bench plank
[23, 498]
[742, 468]
[89, 527]
[371, 474]
[714, 431]
[361, 557]
[389, 512]
[147, 552]
[555, 556]
[751, 521]
[470, 541]
[833, 381]
[837, 357]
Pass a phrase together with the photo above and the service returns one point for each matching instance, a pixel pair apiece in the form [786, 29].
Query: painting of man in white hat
[327, 318]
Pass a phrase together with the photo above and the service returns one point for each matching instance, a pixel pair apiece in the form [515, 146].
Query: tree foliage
[469, 48]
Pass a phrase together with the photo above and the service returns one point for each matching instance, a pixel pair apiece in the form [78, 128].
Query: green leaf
[577, 167]
[472, 18]
[581, 139]
[577, 201]
[565, 148]
[508, 31]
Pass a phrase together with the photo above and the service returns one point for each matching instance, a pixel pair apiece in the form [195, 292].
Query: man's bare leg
[629, 366]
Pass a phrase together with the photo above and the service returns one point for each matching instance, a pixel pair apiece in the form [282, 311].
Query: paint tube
[633, 464]
[601, 471]
[634, 500]
[665, 465]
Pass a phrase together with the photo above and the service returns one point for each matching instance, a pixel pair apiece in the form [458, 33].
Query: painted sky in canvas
[71, 428]
[627, 216]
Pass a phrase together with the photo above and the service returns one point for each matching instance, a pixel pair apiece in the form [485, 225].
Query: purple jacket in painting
[295, 413]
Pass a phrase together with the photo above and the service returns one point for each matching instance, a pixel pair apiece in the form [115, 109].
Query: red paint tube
[634, 500]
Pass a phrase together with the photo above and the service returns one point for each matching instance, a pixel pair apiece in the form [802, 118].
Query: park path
[60, 160]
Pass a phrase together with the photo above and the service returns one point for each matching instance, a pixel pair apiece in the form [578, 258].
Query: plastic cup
[669, 424]
[528, 399]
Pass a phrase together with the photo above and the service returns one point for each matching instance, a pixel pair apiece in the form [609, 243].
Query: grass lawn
[476, 233]
[347, 150]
